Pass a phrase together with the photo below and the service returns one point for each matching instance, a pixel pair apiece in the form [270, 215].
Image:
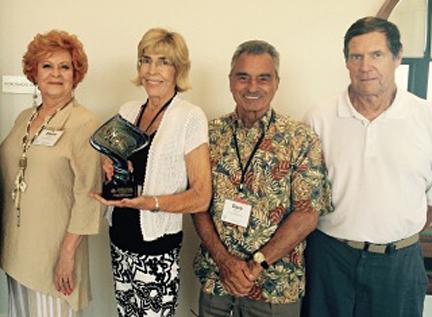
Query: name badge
[236, 213]
[48, 137]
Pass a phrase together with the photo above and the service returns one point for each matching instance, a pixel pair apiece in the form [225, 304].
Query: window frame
[418, 73]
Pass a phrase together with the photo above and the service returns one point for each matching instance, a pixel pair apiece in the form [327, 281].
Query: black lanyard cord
[255, 149]
[157, 114]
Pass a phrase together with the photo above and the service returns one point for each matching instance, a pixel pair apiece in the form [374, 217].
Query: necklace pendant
[23, 186]
[22, 162]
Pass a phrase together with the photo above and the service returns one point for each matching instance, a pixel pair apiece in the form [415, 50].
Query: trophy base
[112, 191]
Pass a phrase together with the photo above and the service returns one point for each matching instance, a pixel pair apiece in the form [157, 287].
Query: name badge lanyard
[251, 156]
[20, 185]
[157, 114]
[139, 118]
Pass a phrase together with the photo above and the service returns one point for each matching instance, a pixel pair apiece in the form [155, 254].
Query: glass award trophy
[118, 139]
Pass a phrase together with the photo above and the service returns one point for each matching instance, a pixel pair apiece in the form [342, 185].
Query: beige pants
[229, 306]
[24, 302]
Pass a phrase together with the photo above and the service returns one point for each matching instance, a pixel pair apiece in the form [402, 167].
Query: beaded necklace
[20, 185]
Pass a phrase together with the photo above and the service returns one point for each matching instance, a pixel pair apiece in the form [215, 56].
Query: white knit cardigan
[183, 128]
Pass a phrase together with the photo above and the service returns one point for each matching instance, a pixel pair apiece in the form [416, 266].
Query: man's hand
[235, 275]
[255, 269]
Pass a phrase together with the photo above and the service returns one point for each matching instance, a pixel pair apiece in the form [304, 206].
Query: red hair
[48, 43]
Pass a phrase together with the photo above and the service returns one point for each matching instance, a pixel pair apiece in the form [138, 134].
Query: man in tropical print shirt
[270, 186]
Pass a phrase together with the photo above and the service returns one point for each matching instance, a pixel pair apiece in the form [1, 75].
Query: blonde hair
[173, 46]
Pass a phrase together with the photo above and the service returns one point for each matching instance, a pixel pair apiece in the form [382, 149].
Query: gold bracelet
[157, 206]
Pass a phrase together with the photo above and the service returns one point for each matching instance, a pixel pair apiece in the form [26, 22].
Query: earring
[35, 96]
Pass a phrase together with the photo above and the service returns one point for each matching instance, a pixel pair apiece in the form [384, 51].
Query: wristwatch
[259, 258]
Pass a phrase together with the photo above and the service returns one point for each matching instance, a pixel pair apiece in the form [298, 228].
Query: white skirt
[24, 302]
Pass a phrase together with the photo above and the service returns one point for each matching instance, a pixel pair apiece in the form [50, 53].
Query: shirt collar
[263, 121]
[396, 110]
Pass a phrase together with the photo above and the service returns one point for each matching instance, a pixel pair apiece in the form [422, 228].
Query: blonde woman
[174, 170]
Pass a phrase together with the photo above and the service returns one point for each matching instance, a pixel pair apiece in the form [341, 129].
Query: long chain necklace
[20, 185]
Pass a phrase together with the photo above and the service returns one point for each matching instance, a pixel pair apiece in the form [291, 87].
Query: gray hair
[257, 47]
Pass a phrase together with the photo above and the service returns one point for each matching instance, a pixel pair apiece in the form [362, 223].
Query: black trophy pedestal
[116, 191]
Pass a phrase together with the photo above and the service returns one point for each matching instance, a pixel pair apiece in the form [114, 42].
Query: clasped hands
[238, 276]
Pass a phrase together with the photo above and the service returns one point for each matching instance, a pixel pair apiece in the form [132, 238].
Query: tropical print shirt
[286, 173]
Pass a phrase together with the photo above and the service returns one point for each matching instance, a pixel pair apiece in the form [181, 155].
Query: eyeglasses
[160, 63]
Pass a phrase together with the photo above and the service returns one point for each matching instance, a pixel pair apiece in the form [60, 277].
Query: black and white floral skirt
[145, 285]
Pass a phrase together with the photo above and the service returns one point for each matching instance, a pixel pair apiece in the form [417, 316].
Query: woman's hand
[195, 199]
[63, 275]
[108, 168]
[64, 270]
[140, 202]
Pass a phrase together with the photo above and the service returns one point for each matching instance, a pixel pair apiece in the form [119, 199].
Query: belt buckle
[366, 246]
[390, 248]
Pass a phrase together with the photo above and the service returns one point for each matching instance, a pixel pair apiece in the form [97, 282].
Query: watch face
[259, 257]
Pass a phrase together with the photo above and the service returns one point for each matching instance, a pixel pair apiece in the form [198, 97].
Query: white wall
[308, 35]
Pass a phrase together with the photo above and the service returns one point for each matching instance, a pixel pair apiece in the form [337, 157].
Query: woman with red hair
[47, 169]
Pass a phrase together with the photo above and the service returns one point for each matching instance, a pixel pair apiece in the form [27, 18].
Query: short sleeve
[196, 130]
[86, 165]
[311, 189]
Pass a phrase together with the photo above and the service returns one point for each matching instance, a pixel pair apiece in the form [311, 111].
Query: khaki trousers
[230, 306]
